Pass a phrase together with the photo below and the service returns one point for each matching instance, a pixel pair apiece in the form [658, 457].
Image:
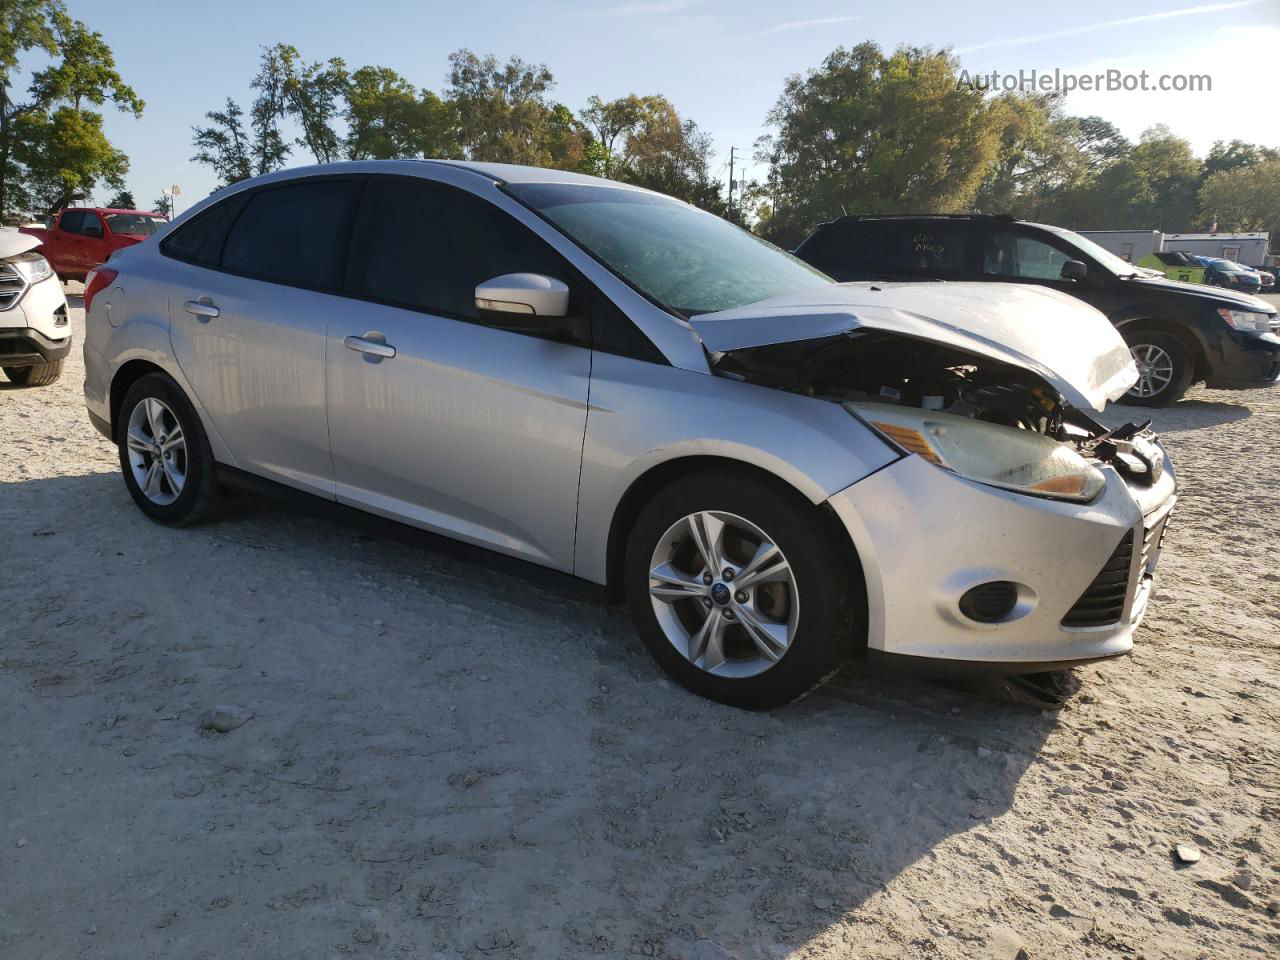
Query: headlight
[32, 266]
[1246, 320]
[1004, 457]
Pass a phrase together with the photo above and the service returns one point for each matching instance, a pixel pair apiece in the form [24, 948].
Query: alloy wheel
[157, 451]
[723, 594]
[1155, 369]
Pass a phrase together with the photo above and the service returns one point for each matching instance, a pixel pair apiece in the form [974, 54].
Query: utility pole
[731, 150]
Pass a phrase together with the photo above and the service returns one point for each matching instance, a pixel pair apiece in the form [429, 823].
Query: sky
[721, 62]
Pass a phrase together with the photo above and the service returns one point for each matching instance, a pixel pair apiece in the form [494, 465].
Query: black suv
[1179, 332]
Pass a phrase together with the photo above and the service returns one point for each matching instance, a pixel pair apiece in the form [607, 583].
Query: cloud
[806, 24]
[647, 9]
[1109, 24]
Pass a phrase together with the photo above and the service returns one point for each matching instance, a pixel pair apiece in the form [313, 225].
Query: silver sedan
[774, 471]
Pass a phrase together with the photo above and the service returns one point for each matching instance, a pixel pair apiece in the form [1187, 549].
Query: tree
[52, 146]
[870, 132]
[163, 204]
[1236, 154]
[224, 145]
[1153, 185]
[1244, 197]
[123, 200]
[388, 117]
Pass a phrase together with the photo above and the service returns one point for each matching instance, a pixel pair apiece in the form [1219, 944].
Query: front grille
[1103, 602]
[12, 284]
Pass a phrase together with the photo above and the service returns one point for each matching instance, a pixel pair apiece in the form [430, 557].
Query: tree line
[866, 131]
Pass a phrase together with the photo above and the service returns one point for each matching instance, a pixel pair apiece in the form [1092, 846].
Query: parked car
[1267, 277]
[1179, 332]
[35, 337]
[1174, 265]
[1229, 274]
[83, 237]
[774, 470]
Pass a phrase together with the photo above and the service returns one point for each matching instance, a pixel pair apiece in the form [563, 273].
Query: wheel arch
[128, 374]
[1197, 349]
[646, 486]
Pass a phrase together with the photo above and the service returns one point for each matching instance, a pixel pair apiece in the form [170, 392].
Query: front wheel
[741, 590]
[36, 375]
[164, 454]
[1165, 370]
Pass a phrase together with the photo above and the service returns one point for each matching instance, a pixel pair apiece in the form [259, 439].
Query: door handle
[371, 347]
[205, 311]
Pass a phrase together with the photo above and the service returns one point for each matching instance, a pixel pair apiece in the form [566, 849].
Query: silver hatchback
[777, 472]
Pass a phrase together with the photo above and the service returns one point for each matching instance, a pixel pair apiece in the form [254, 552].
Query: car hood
[1067, 343]
[1199, 290]
[13, 243]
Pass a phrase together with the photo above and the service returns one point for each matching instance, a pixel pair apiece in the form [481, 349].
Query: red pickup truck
[81, 238]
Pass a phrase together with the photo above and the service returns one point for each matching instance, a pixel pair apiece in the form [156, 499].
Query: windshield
[688, 261]
[1106, 259]
[134, 224]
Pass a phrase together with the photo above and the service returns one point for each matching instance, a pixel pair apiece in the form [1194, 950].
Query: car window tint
[890, 248]
[71, 221]
[428, 246]
[199, 240]
[1011, 254]
[292, 234]
[91, 223]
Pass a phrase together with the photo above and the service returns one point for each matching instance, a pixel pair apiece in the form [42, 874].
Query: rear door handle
[372, 347]
[205, 311]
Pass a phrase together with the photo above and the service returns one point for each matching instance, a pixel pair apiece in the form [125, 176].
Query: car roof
[974, 217]
[519, 173]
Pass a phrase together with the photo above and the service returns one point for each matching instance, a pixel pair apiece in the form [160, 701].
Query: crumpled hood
[13, 243]
[1069, 344]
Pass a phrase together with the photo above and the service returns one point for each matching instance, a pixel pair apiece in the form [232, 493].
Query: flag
[1214, 228]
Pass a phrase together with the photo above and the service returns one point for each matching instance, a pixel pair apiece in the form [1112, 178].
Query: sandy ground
[447, 760]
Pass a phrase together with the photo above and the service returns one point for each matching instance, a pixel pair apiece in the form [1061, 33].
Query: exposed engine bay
[870, 365]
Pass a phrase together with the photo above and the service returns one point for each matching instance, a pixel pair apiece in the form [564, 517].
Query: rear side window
[427, 246]
[199, 240]
[71, 221]
[293, 234]
[871, 249]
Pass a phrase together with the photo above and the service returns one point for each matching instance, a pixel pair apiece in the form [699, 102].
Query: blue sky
[722, 62]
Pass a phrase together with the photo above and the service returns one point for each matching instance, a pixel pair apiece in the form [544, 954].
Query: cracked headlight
[1004, 457]
[31, 265]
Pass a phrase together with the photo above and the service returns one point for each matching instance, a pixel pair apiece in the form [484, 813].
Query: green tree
[163, 204]
[224, 145]
[52, 145]
[1244, 197]
[123, 200]
[1236, 154]
[1153, 185]
[869, 131]
[388, 117]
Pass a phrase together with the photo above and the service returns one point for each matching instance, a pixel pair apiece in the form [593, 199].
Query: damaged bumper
[1082, 574]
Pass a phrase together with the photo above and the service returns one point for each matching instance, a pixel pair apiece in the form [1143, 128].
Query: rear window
[293, 234]
[199, 240]
[133, 224]
[871, 249]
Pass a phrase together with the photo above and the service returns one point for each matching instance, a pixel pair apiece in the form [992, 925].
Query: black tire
[1183, 368]
[36, 375]
[827, 583]
[200, 500]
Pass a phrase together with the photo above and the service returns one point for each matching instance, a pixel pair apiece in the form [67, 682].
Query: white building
[1251, 249]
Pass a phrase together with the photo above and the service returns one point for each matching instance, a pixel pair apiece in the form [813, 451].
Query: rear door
[248, 311]
[468, 429]
[894, 249]
[64, 244]
[95, 245]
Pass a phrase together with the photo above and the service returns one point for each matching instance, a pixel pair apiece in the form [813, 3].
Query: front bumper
[925, 536]
[1245, 361]
[36, 328]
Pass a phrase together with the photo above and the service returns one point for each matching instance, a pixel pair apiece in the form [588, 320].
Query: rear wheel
[36, 375]
[740, 590]
[164, 454]
[1165, 370]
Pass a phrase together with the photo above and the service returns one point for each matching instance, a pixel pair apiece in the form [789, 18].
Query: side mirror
[1075, 270]
[517, 299]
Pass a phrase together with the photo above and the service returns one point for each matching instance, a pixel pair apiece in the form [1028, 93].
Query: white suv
[35, 336]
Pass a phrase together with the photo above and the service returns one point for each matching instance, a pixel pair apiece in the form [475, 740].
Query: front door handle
[371, 347]
[205, 311]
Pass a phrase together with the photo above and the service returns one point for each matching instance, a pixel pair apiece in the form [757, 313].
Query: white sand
[444, 760]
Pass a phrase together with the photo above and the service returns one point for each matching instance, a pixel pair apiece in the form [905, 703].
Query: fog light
[989, 602]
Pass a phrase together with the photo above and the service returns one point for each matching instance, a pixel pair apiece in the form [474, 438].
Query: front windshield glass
[1105, 258]
[134, 224]
[688, 261]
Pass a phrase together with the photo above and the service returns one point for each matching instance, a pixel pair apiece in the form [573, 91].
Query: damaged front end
[981, 417]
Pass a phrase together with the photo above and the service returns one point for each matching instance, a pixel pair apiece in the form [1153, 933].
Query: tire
[196, 499]
[1159, 356]
[815, 607]
[36, 375]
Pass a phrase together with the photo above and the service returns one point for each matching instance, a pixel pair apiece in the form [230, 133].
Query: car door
[250, 300]
[1017, 254]
[455, 425]
[66, 244]
[94, 246]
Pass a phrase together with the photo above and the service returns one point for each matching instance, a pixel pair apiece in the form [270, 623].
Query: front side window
[688, 261]
[91, 225]
[1012, 254]
[293, 234]
[428, 246]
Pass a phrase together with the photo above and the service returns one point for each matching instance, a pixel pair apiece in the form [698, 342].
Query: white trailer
[1131, 245]
[1251, 249]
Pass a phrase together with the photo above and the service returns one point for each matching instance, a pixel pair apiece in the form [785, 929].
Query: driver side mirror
[1075, 270]
[523, 301]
